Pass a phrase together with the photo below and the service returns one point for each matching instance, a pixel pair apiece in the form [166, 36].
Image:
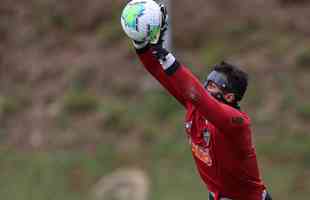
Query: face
[214, 89]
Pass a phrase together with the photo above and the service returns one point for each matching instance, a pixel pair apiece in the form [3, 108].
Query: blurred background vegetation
[76, 104]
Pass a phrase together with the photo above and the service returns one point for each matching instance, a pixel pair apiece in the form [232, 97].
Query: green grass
[173, 171]
[214, 52]
[303, 58]
[117, 117]
[241, 30]
[284, 163]
[12, 104]
[163, 152]
[36, 176]
[303, 111]
[167, 160]
[110, 32]
[51, 175]
[70, 174]
[79, 102]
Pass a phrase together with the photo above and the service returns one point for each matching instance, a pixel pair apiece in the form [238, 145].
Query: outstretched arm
[219, 114]
[179, 81]
[154, 67]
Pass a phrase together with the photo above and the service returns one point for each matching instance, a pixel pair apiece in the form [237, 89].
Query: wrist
[166, 59]
[170, 64]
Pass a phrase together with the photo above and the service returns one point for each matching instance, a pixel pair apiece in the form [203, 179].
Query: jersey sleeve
[154, 67]
[189, 91]
[221, 115]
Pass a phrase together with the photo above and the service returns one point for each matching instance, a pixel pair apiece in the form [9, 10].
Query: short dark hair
[237, 78]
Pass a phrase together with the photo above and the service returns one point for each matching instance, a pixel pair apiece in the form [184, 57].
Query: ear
[229, 97]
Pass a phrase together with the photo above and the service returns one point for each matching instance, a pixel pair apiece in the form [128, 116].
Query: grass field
[162, 152]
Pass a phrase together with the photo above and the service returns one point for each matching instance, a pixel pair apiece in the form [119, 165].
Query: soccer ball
[141, 20]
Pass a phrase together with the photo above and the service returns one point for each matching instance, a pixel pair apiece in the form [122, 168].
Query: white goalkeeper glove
[160, 37]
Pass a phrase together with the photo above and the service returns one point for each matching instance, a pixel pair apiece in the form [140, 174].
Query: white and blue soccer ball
[141, 20]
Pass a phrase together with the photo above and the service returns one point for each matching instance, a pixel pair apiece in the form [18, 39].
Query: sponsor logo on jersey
[202, 154]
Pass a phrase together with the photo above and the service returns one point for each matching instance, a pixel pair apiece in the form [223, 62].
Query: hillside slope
[69, 80]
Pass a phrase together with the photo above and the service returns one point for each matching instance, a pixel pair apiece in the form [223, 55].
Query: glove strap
[167, 62]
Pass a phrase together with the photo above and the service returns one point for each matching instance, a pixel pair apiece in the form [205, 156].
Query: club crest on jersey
[206, 136]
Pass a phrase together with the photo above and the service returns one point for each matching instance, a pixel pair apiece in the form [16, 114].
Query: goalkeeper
[218, 131]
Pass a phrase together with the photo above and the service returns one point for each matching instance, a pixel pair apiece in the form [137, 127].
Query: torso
[226, 161]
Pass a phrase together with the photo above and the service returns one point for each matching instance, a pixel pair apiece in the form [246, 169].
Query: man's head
[227, 83]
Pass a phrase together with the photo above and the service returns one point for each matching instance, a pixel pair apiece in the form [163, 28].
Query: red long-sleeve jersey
[219, 135]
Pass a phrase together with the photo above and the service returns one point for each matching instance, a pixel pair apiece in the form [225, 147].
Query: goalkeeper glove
[160, 38]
